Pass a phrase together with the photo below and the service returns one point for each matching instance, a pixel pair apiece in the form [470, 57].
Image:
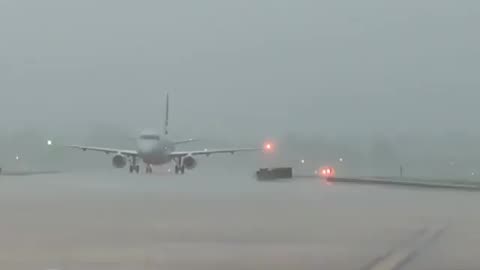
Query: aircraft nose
[147, 149]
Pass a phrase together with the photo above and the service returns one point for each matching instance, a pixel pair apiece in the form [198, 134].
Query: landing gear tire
[179, 169]
[133, 166]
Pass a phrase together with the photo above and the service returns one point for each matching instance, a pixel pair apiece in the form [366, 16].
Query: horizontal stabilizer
[185, 141]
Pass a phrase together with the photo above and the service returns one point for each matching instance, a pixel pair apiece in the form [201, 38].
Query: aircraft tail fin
[165, 125]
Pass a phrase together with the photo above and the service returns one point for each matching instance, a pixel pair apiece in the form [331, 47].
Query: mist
[380, 84]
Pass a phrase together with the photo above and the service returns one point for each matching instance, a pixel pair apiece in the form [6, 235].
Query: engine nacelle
[189, 162]
[119, 161]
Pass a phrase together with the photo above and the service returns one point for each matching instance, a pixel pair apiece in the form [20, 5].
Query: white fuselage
[154, 149]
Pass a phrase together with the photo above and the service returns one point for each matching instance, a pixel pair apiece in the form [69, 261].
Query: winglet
[165, 127]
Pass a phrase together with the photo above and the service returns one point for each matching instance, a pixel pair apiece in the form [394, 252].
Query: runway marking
[395, 259]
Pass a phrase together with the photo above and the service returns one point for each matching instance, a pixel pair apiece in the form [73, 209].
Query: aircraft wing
[208, 152]
[131, 153]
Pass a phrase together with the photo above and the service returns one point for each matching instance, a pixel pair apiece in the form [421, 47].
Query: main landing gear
[148, 169]
[134, 167]
[179, 167]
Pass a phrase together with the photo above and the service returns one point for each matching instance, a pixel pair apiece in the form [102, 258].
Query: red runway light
[268, 147]
[327, 172]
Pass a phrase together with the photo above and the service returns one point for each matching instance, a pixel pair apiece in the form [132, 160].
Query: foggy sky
[241, 68]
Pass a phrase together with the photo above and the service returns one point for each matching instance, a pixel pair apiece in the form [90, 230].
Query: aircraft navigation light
[268, 147]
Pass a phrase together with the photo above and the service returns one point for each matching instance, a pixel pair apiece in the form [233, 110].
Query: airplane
[156, 149]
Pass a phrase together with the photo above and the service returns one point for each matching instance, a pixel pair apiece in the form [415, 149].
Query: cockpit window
[150, 137]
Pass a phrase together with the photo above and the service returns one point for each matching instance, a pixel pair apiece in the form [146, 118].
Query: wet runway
[222, 220]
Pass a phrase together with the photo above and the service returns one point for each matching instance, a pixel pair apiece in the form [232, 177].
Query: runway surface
[205, 220]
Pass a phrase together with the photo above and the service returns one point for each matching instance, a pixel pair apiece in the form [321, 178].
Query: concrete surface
[205, 220]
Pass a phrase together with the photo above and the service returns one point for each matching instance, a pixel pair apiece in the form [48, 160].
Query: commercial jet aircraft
[156, 149]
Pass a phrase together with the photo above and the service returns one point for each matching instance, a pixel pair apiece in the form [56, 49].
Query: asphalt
[226, 220]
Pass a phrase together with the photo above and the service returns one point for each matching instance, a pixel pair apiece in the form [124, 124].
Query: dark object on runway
[274, 173]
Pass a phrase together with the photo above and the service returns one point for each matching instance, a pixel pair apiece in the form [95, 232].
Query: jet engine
[189, 162]
[119, 161]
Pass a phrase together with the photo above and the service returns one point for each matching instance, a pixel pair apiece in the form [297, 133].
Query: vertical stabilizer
[165, 126]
